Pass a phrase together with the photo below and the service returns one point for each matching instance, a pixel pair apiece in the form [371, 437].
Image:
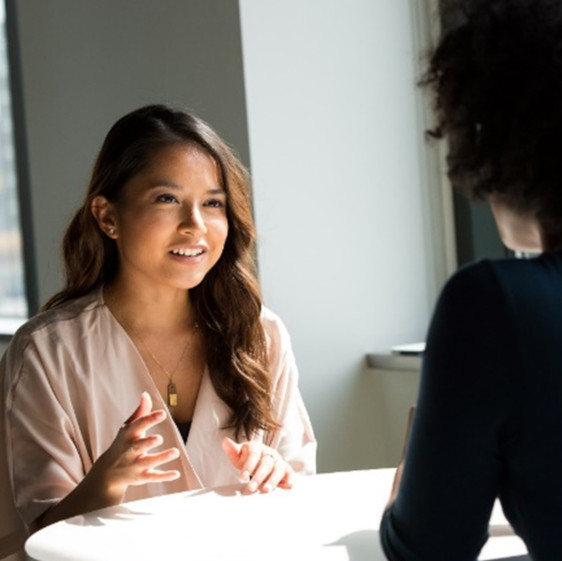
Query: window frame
[23, 192]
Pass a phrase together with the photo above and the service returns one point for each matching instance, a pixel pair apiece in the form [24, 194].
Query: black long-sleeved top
[488, 421]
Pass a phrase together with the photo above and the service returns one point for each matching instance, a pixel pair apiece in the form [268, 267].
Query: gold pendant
[172, 395]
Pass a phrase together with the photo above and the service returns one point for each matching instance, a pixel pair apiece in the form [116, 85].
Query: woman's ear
[104, 213]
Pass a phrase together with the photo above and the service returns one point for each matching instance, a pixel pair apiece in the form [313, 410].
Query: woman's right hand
[129, 460]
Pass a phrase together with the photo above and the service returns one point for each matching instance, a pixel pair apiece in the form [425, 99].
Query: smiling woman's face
[170, 224]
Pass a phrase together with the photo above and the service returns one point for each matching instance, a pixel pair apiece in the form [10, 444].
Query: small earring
[111, 231]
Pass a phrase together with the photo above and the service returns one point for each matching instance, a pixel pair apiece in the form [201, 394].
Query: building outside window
[13, 301]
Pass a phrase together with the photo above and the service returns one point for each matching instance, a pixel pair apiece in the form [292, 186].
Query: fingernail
[267, 487]
[252, 486]
[245, 476]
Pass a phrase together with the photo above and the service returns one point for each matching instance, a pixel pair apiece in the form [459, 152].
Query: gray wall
[346, 255]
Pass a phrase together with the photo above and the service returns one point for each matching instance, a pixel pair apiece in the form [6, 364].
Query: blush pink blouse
[71, 376]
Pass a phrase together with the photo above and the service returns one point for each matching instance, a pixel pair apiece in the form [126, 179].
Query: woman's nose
[192, 220]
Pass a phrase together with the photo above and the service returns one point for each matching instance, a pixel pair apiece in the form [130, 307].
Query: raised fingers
[137, 428]
[147, 467]
[141, 446]
[281, 476]
[268, 472]
[250, 457]
[261, 466]
[287, 480]
[144, 407]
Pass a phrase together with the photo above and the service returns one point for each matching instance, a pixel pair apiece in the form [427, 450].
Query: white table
[327, 517]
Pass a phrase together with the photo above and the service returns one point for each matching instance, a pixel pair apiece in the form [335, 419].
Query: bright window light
[13, 302]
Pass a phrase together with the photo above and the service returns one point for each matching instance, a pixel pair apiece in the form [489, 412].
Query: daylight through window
[13, 304]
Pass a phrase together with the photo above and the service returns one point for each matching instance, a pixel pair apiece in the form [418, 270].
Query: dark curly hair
[496, 75]
[228, 301]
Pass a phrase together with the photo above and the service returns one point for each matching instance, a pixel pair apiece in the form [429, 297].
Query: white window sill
[403, 357]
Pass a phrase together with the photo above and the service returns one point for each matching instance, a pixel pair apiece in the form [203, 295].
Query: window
[13, 301]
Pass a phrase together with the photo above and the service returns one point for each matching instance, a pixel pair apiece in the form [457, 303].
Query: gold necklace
[171, 389]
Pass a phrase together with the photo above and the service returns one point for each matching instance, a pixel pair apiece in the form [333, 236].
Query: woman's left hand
[261, 466]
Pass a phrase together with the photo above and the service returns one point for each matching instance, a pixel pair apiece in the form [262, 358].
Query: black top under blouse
[183, 428]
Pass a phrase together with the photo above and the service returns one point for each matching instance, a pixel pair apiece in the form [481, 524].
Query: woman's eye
[166, 198]
[215, 203]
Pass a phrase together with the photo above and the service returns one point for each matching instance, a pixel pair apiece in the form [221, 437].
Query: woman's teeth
[187, 252]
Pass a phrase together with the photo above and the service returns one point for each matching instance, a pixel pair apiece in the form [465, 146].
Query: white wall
[346, 253]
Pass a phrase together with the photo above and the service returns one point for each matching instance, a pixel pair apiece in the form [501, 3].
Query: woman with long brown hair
[157, 368]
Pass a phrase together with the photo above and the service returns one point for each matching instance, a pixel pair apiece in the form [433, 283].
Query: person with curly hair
[157, 368]
[488, 418]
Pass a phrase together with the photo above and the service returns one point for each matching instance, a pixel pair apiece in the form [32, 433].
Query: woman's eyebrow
[217, 191]
[158, 183]
[163, 183]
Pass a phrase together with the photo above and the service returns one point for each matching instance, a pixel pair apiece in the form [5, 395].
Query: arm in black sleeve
[452, 465]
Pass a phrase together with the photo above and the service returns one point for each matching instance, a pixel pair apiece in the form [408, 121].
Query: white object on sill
[415, 349]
